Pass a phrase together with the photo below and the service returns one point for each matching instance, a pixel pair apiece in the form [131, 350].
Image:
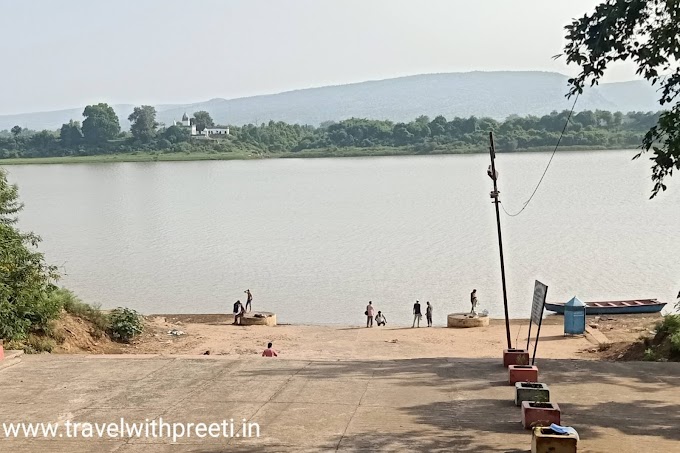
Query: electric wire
[526, 203]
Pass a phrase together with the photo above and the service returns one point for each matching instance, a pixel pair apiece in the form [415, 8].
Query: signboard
[540, 292]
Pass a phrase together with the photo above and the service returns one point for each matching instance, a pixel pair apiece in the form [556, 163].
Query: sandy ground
[215, 335]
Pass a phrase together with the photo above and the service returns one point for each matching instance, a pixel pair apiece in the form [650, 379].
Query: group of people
[417, 312]
[380, 319]
[240, 310]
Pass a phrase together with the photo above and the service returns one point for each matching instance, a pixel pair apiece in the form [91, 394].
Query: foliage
[26, 281]
[648, 33]
[100, 124]
[71, 134]
[125, 324]
[355, 136]
[16, 130]
[203, 120]
[669, 325]
[649, 355]
[144, 123]
[176, 134]
[76, 307]
[35, 344]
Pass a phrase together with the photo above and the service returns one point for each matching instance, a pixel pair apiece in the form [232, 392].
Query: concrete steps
[11, 358]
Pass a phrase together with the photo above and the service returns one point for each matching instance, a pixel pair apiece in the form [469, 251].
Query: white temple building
[208, 132]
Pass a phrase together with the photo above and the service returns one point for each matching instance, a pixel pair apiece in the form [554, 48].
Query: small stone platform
[466, 320]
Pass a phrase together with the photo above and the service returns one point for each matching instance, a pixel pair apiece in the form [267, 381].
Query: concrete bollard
[539, 414]
[522, 373]
[531, 391]
[515, 357]
[544, 440]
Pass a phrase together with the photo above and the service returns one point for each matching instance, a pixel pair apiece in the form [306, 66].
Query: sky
[70, 53]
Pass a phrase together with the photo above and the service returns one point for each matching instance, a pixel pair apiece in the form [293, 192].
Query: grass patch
[73, 305]
[155, 156]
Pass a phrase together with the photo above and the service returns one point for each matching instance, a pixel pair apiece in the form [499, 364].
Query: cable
[566, 123]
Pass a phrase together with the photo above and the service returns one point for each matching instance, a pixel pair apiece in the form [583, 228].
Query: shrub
[649, 356]
[36, 344]
[675, 342]
[125, 324]
[73, 305]
[669, 325]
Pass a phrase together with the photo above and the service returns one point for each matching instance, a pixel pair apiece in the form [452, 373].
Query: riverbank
[214, 334]
[243, 155]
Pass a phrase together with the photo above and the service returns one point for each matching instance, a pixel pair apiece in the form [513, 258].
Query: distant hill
[493, 94]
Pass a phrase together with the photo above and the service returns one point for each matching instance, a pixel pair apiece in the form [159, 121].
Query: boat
[614, 307]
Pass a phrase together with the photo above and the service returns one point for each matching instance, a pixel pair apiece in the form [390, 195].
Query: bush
[73, 305]
[36, 344]
[669, 325]
[649, 356]
[125, 324]
[675, 342]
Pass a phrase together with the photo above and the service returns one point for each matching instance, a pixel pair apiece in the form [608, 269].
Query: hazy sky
[61, 54]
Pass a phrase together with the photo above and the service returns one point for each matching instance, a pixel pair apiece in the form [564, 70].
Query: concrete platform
[259, 318]
[466, 320]
[383, 405]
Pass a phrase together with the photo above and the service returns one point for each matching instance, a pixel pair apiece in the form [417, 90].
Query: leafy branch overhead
[646, 32]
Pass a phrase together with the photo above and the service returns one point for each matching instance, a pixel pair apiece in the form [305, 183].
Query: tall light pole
[493, 174]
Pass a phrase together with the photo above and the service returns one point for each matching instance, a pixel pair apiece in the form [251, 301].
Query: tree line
[100, 133]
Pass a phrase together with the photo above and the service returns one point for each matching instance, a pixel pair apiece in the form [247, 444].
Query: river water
[315, 239]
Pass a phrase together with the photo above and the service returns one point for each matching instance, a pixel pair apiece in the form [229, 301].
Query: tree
[203, 120]
[43, 142]
[144, 123]
[100, 124]
[16, 130]
[25, 279]
[176, 134]
[647, 33]
[70, 133]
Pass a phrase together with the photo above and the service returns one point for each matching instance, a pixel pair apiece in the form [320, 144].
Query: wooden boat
[614, 307]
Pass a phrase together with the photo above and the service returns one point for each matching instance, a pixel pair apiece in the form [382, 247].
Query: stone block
[531, 391]
[539, 414]
[515, 357]
[522, 373]
[544, 440]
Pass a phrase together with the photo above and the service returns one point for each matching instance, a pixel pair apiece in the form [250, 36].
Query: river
[315, 239]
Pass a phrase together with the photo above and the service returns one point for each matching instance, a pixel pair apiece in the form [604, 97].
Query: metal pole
[494, 195]
[538, 334]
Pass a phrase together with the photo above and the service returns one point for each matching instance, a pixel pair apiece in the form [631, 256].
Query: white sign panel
[540, 292]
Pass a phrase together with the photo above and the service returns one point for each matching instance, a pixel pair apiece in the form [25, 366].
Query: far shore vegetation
[100, 138]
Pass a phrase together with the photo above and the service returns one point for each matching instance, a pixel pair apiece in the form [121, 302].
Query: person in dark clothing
[428, 314]
[417, 315]
[249, 300]
[238, 313]
[473, 302]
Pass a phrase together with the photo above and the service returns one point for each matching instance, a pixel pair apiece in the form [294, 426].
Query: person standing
[473, 302]
[369, 314]
[249, 300]
[269, 352]
[238, 313]
[417, 315]
[428, 314]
